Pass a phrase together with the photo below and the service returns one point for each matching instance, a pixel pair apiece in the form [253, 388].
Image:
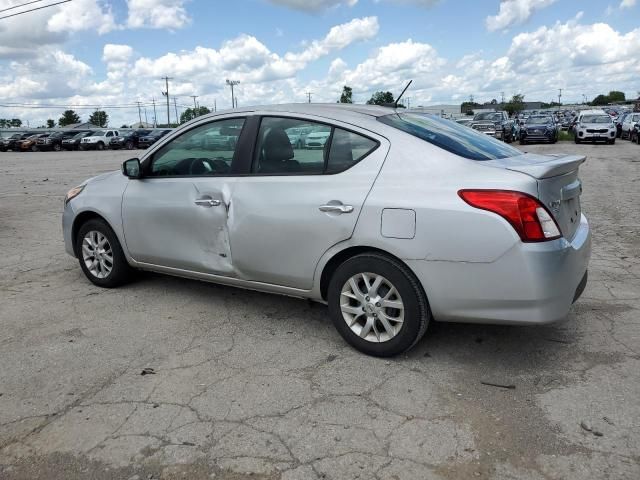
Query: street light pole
[166, 94]
[233, 83]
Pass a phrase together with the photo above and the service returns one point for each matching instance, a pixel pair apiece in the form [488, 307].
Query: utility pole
[309, 96]
[145, 116]
[166, 94]
[175, 104]
[233, 83]
[215, 106]
[139, 114]
[559, 96]
[195, 107]
[155, 121]
[502, 96]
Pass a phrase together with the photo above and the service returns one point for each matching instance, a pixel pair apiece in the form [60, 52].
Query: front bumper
[533, 283]
[537, 136]
[591, 137]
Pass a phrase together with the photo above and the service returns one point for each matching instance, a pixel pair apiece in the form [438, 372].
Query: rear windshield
[450, 136]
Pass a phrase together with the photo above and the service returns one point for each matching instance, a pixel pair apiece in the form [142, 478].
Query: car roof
[335, 111]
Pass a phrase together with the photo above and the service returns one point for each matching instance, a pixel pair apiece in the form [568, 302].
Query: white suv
[99, 140]
[595, 125]
[628, 124]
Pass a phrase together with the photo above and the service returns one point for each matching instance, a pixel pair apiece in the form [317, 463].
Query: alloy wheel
[97, 254]
[372, 307]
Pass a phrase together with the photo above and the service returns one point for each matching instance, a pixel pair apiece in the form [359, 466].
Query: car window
[347, 149]
[450, 136]
[207, 150]
[288, 145]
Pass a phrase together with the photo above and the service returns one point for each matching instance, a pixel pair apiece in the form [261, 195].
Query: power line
[34, 9]
[20, 5]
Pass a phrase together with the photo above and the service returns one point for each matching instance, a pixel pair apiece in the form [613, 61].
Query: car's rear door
[176, 215]
[296, 203]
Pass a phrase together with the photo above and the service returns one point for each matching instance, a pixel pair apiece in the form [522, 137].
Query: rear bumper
[533, 283]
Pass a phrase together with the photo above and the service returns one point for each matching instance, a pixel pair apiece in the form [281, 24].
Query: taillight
[530, 219]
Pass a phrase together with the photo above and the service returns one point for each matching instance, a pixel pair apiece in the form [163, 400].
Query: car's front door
[176, 215]
[298, 202]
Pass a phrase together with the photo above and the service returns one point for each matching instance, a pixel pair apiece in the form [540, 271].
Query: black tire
[34, 148]
[576, 140]
[522, 142]
[416, 308]
[57, 147]
[130, 145]
[121, 272]
[100, 146]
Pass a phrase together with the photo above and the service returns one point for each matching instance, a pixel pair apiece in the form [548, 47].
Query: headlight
[48, 140]
[73, 193]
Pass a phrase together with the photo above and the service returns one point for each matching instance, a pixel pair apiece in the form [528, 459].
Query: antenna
[395, 104]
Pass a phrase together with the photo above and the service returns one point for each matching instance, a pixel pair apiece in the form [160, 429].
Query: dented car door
[176, 215]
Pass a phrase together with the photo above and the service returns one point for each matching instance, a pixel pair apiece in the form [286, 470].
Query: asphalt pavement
[169, 378]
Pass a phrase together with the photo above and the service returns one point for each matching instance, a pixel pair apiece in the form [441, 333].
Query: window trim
[147, 163]
[326, 154]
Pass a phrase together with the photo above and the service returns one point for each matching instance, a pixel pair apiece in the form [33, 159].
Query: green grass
[565, 136]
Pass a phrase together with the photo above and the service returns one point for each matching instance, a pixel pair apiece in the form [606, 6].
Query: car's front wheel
[100, 254]
[100, 146]
[377, 305]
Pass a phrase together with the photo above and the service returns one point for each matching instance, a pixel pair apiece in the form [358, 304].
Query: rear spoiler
[540, 166]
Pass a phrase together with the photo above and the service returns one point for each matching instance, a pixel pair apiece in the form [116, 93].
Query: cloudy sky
[113, 53]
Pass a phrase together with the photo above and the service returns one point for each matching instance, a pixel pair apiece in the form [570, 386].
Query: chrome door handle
[336, 208]
[207, 202]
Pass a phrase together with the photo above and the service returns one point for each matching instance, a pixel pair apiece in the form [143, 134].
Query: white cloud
[82, 15]
[628, 3]
[515, 12]
[169, 14]
[314, 5]
[248, 59]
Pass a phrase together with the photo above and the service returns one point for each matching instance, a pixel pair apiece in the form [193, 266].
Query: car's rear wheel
[100, 254]
[377, 305]
[130, 145]
[57, 147]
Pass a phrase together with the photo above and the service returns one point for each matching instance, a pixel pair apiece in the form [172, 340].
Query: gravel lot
[253, 383]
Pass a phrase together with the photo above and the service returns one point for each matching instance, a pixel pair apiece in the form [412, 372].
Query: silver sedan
[401, 218]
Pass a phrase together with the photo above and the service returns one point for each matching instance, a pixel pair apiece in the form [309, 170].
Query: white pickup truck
[98, 141]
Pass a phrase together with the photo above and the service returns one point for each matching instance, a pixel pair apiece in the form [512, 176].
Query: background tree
[16, 122]
[347, 95]
[124, 126]
[380, 98]
[467, 107]
[68, 117]
[4, 123]
[515, 105]
[99, 118]
[191, 113]
[51, 123]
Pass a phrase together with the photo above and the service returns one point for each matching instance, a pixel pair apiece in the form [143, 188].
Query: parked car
[13, 142]
[594, 126]
[539, 128]
[31, 143]
[393, 224]
[54, 141]
[127, 140]
[73, 143]
[155, 135]
[628, 124]
[495, 124]
[99, 140]
[317, 138]
[618, 123]
[298, 136]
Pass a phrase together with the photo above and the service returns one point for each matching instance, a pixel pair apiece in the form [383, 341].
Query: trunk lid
[559, 187]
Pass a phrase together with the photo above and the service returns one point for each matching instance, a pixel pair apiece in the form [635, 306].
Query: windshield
[538, 120]
[494, 117]
[596, 119]
[450, 136]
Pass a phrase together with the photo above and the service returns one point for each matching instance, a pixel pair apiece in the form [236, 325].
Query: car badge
[555, 205]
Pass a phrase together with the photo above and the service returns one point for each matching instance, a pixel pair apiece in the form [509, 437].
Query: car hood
[102, 177]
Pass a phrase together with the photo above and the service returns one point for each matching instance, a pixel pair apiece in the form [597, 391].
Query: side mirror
[131, 168]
